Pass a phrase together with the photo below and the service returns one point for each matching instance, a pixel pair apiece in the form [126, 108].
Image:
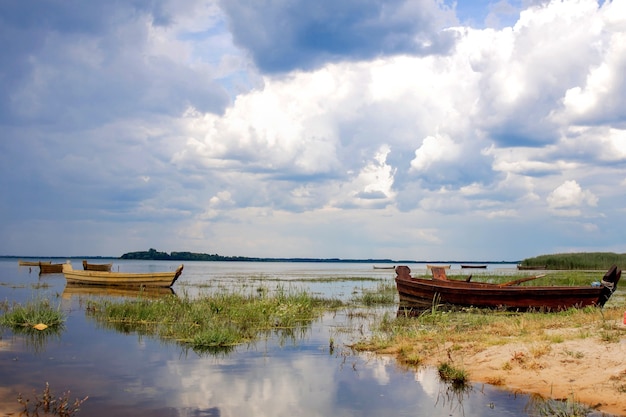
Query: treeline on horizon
[559, 261]
[155, 255]
[580, 260]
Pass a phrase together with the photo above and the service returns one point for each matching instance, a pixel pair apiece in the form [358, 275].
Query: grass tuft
[32, 313]
[215, 322]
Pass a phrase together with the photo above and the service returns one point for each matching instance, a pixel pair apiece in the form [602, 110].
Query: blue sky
[402, 129]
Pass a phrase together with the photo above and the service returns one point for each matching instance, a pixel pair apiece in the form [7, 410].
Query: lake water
[126, 374]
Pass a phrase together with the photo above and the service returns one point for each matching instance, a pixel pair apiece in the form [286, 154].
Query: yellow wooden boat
[124, 279]
[31, 263]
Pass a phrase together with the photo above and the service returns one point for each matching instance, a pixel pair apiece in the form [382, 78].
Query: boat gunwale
[125, 279]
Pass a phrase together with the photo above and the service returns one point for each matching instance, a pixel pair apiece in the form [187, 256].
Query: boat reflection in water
[77, 290]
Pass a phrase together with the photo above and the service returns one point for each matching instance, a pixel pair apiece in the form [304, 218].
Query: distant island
[154, 255]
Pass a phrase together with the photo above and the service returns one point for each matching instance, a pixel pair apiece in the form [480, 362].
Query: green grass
[583, 260]
[216, 322]
[453, 375]
[384, 294]
[19, 316]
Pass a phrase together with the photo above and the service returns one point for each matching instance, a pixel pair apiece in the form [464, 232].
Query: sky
[354, 129]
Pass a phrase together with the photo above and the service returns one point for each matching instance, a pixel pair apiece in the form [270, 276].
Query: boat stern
[609, 284]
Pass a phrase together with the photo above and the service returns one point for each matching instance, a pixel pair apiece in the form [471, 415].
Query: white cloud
[570, 195]
[433, 150]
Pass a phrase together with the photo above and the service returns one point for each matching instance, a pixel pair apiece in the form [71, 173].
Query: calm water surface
[126, 374]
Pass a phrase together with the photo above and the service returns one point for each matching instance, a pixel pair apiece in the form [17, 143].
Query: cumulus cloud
[433, 150]
[569, 196]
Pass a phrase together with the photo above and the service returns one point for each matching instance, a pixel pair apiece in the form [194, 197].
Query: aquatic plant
[558, 408]
[49, 404]
[455, 376]
[385, 293]
[212, 322]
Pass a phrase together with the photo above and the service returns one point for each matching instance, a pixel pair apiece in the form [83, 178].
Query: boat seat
[439, 272]
[403, 271]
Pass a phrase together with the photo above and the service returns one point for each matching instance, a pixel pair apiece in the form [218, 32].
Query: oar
[519, 281]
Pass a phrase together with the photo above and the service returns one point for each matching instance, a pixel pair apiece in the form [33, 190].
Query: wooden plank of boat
[96, 267]
[128, 279]
[468, 266]
[50, 268]
[429, 266]
[32, 263]
[424, 292]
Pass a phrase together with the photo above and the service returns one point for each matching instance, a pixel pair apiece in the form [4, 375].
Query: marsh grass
[385, 293]
[467, 331]
[582, 260]
[452, 374]
[558, 408]
[215, 322]
[18, 316]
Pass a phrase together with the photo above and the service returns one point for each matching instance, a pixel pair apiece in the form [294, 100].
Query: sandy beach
[588, 370]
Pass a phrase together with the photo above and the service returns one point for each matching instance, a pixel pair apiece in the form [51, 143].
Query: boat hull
[122, 279]
[49, 268]
[96, 267]
[428, 292]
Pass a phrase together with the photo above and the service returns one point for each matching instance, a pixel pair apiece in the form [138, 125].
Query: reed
[557, 408]
[49, 404]
[214, 322]
[583, 260]
[385, 293]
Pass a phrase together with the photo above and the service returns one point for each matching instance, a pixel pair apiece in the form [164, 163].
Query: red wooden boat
[419, 292]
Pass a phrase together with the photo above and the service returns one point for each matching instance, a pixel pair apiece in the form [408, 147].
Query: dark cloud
[78, 63]
[287, 35]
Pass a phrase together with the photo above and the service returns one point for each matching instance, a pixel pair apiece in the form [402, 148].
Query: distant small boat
[531, 267]
[50, 268]
[466, 266]
[32, 263]
[429, 267]
[96, 267]
[384, 267]
[123, 279]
